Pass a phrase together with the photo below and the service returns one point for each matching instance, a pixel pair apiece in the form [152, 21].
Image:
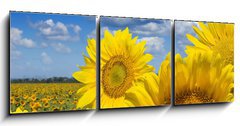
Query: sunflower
[87, 77]
[61, 101]
[44, 100]
[25, 96]
[32, 104]
[70, 92]
[49, 98]
[201, 77]
[37, 105]
[23, 103]
[33, 97]
[123, 65]
[161, 94]
[215, 37]
[46, 105]
[19, 110]
[12, 100]
[164, 75]
[55, 108]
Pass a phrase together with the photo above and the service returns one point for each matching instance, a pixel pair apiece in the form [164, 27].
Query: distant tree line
[45, 80]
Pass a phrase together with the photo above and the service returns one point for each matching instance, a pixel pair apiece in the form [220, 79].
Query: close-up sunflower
[215, 37]
[161, 94]
[201, 77]
[87, 77]
[124, 64]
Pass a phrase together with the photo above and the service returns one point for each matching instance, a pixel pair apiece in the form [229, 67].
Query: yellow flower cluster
[43, 97]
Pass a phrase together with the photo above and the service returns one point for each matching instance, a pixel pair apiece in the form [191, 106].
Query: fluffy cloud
[48, 27]
[119, 21]
[44, 45]
[181, 29]
[153, 28]
[17, 39]
[75, 28]
[92, 34]
[103, 30]
[59, 47]
[46, 59]
[57, 30]
[184, 27]
[154, 44]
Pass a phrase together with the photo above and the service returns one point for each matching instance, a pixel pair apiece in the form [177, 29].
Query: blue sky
[156, 32]
[181, 29]
[47, 45]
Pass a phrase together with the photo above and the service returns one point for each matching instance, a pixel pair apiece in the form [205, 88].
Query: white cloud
[119, 20]
[46, 59]
[59, 37]
[50, 22]
[17, 39]
[57, 30]
[92, 34]
[184, 27]
[153, 28]
[154, 44]
[182, 44]
[106, 28]
[76, 28]
[48, 27]
[44, 45]
[59, 47]
[27, 43]
[16, 34]
[181, 29]
[61, 27]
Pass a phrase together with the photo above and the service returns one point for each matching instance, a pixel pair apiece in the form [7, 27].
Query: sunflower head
[124, 69]
[124, 64]
[215, 37]
[201, 77]
[33, 97]
[118, 75]
[46, 105]
[159, 86]
[164, 75]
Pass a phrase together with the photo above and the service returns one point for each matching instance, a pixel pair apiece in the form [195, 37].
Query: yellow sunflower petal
[83, 77]
[207, 34]
[152, 86]
[139, 96]
[196, 42]
[88, 97]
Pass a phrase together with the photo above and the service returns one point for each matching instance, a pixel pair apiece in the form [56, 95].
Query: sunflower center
[225, 49]
[193, 97]
[117, 76]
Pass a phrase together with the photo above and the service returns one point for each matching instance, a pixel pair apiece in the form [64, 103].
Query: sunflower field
[43, 97]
